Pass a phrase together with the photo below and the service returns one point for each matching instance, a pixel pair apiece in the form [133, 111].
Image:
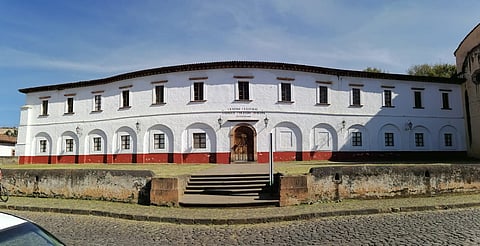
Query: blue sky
[58, 41]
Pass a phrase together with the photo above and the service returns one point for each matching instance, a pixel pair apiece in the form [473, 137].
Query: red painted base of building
[262, 157]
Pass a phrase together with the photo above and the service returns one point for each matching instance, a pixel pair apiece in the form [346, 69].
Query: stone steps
[229, 190]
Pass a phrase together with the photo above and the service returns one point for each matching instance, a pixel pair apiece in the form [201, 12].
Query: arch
[288, 137]
[36, 144]
[199, 128]
[448, 137]
[243, 143]
[167, 140]
[357, 137]
[42, 147]
[125, 145]
[324, 137]
[68, 147]
[389, 137]
[97, 150]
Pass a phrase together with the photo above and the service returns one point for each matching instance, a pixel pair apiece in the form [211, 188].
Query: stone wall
[112, 185]
[168, 191]
[373, 182]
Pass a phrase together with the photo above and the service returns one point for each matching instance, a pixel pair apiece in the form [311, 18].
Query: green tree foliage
[373, 70]
[437, 70]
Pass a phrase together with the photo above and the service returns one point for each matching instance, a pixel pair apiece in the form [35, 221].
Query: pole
[270, 157]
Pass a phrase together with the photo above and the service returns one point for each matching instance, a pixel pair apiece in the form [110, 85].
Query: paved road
[452, 227]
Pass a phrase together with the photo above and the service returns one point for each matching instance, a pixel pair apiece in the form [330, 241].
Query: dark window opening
[286, 89]
[356, 97]
[356, 139]
[198, 91]
[323, 95]
[243, 91]
[199, 140]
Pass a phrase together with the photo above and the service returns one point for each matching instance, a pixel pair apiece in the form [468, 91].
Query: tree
[437, 70]
[373, 70]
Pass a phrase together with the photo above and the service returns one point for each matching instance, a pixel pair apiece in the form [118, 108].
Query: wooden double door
[243, 141]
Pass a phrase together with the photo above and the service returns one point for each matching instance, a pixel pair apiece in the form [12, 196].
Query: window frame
[356, 139]
[198, 91]
[160, 143]
[446, 101]
[286, 92]
[44, 108]
[42, 146]
[125, 99]
[388, 98]
[97, 103]
[97, 144]
[419, 138]
[69, 106]
[448, 140]
[418, 99]
[389, 139]
[125, 142]
[199, 140]
[356, 97]
[243, 91]
[159, 94]
[69, 145]
[323, 91]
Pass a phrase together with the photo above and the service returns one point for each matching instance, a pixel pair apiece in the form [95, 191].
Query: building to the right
[468, 66]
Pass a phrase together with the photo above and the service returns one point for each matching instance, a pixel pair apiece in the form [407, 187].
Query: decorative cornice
[241, 64]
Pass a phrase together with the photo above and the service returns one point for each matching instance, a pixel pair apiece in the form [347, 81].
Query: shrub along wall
[371, 182]
[113, 185]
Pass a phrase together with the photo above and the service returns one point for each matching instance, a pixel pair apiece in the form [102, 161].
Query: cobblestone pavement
[448, 227]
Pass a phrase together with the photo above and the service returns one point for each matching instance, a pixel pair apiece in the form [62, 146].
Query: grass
[170, 170]
[160, 170]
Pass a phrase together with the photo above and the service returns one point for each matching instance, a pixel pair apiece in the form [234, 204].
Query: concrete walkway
[236, 169]
[210, 216]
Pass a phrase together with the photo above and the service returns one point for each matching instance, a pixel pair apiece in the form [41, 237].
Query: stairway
[229, 190]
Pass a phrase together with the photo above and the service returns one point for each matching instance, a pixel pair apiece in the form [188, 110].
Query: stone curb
[238, 221]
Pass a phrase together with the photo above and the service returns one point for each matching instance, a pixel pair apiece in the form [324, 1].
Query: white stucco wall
[301, 125]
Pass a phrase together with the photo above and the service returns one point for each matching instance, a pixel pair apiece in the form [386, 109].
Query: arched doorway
[243, 144]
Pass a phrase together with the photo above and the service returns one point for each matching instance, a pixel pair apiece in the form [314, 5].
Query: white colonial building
[224, 112]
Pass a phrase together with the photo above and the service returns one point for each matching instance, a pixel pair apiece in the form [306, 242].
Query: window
[448, 137]
[159, 141]
[389, 139]
[125, 142]
[198, 91]
[125, 99]
[356, 139]
[97, 144]
[70, 105]
[159, 94]
[323, 95]
[419, 140]
[418, 99]
[445, 101]
[45, 107]
[199, 140]
[286, 92]
[243, 90]
[97, 103]
[356, 97]
[43, 146]
[69, 145]
[387, 98]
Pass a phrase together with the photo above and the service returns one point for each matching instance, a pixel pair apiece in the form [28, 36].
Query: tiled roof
[8, 139]
[241, 64]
